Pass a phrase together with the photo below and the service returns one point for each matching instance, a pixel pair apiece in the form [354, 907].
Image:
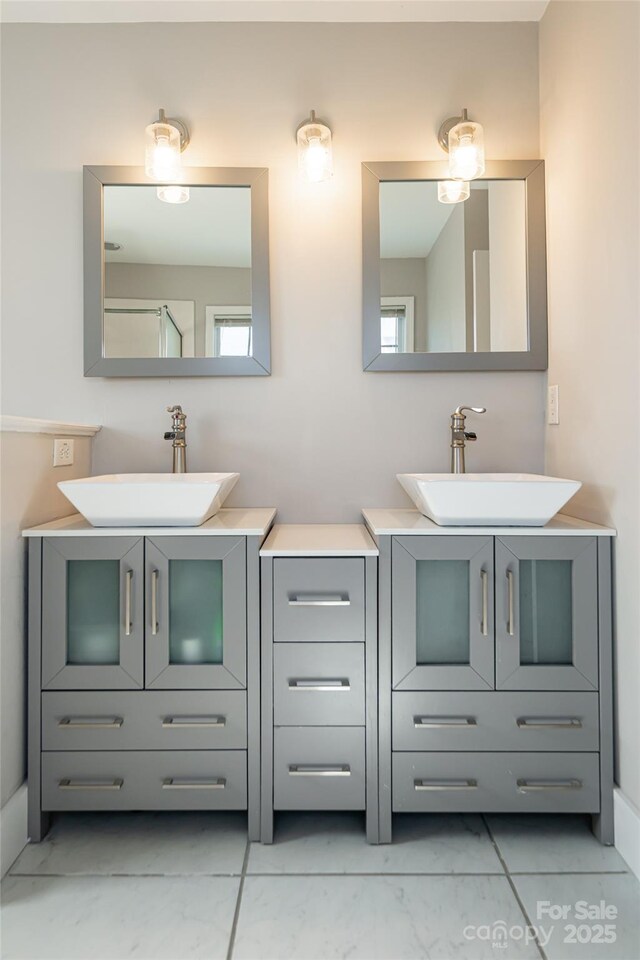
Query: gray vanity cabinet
[443, 613]
[495, 670]
[319, 672]
[92, 613]
[144, 669]
[546, 613]
[196, 613]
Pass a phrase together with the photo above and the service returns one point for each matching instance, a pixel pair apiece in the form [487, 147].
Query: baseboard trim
[13, 828]
[626, 819]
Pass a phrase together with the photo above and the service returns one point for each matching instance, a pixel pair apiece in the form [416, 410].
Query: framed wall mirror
[176, 289]
[454, 286]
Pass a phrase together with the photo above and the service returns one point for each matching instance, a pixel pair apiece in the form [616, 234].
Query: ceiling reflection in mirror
[453, 277]
[177, 276]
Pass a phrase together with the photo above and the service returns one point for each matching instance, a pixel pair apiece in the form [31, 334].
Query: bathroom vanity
[495, 687]
[144, 665]
[319, 672]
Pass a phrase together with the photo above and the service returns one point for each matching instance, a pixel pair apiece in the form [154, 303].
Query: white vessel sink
[149, 499]
[488, 499]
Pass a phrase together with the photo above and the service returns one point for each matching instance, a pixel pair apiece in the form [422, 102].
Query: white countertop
[238, 522]
[405, 522]
[319, 540]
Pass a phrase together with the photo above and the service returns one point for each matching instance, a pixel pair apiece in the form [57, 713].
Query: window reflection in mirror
[453, 277]
[177, 275]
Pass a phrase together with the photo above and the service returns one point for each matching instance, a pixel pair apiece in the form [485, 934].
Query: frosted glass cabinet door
[196, 613]
[442, 613]
[546, 613]
[92, 613]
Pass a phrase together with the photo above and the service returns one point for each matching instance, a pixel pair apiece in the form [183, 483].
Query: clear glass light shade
[162, 160]
[173, 193]
[315, 155]
[453, 191]
[466, 151]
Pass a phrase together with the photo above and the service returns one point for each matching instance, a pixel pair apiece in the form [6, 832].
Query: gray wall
[405, 277]
[589, 67]
[445, 285]
[229, 286]
[319, 439]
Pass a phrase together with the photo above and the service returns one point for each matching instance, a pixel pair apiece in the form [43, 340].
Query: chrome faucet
[178, 434]
[459, 436]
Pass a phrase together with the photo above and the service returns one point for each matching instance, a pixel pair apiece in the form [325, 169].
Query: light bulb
[162, 154]
[466, 151]
[453, 191]
[315, 155]
[173, 193]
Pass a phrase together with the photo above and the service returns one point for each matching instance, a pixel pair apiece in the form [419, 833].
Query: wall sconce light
[315, 155]
[173, 193]
[463, 140]
[166, 138]
[453, 191]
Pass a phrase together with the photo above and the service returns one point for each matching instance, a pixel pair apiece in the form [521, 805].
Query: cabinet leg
[602, 826]
[38, 825]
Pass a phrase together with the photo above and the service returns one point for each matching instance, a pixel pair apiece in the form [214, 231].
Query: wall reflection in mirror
[453, 277]
[177, 276]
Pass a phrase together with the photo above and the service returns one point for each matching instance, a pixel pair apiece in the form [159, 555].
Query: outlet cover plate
[62, 452]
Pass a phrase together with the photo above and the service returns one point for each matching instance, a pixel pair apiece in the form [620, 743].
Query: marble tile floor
[188, 885]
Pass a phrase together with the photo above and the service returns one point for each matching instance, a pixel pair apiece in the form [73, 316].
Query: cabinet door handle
[154, 602]
[526, 786]
[68, 784]
[194, 722]
[319, 770]
[95, 723]
[458, 723]
[128, 581]
[510, 600]
[323, 600]
[181, 783]
[484, 577]
[555, 723]
[445, 784]
[319, 685]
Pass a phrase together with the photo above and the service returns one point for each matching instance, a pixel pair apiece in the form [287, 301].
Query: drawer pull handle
[319, 685]
[510, 599]
[67, 784]
[445, 784]
[315, 600]
[194, 722]
[95, 723]
[154, 602]
[550, 723]
[526, 786]
[319, 770]
[178, 783]
[460, 723]
[484, 577]
[128, 581]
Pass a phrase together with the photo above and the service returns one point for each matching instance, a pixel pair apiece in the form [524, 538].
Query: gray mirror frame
[532, 172]
[95, 364]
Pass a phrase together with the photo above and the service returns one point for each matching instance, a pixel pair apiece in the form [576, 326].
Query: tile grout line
[514, 890]
[236, 913]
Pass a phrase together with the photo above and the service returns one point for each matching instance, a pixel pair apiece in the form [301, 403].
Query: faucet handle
[473, 409]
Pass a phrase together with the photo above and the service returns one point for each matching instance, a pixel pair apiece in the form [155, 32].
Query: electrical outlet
[553, 411]
[62, 453]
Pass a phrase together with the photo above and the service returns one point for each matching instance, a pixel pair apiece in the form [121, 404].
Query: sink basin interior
[149, 499]
[488, 499]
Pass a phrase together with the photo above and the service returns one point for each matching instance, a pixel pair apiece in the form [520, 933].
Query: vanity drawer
[319, 768]
[318, 600]
[145, 720]
[507, 782]
[495, 721]
[136, 780]
[318, 684]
